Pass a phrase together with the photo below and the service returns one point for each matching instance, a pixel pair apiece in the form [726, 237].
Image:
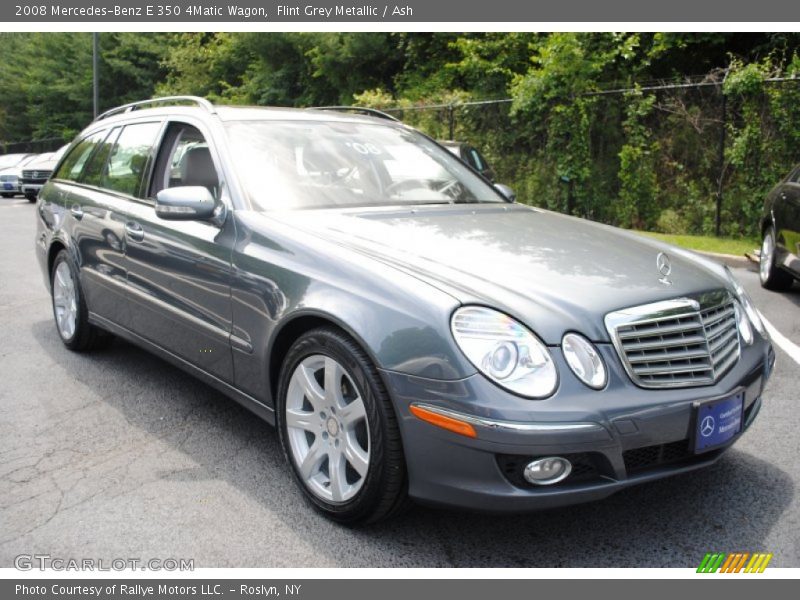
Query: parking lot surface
[117, 454]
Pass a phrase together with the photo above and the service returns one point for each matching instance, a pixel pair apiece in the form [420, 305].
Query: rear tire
[772, 276]
[324, 376]
[69, 308]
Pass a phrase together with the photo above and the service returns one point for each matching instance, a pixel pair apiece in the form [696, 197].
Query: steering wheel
[406, 184]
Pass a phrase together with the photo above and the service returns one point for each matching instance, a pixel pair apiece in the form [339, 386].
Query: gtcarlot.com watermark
[43, 562]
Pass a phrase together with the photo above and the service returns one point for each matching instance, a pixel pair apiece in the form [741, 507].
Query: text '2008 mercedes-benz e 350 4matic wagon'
[410, 331]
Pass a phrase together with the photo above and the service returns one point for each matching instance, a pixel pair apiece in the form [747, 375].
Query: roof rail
[372, 112]
[154, 101]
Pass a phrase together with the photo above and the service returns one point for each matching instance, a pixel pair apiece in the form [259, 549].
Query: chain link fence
[712, 155]
[32, 146]
[700, 159]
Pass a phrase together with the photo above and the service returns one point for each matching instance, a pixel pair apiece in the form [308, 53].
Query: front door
[179, 271]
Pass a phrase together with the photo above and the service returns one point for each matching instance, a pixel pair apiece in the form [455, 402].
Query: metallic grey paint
[219, 300]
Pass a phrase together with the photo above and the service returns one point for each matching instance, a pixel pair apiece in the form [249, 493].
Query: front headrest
[197, 168]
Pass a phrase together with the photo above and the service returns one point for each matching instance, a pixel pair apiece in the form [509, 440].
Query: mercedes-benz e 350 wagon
[411, 332]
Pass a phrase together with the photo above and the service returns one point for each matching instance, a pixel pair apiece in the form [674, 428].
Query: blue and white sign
[718, 422]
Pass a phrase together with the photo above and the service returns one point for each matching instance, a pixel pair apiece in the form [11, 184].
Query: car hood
[46, 164]
[553, 272]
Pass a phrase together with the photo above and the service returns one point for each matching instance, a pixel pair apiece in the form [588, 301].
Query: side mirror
[185, 203]
[506, 191]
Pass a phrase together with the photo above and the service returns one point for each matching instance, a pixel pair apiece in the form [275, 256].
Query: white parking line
[787, 345]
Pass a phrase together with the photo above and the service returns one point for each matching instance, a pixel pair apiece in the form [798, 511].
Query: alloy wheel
[65, 301]
[327, 429]
[765, 260]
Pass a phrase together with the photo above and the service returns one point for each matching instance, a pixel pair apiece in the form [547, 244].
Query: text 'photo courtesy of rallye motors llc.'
[411, 331]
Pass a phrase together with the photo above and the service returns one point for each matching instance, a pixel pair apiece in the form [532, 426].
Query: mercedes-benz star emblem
[707, 426]
[664, 267]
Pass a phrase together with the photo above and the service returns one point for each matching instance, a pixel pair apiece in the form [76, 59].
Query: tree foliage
[645, 158]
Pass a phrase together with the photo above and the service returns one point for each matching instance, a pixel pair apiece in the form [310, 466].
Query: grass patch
[707, 243]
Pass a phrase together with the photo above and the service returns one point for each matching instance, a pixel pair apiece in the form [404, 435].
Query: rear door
[94, 221]
[179, 271]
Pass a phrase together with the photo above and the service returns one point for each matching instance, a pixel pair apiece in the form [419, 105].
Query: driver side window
[185, 160]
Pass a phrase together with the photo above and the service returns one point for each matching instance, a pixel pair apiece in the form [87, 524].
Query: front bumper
[31, 188]
[616, 437]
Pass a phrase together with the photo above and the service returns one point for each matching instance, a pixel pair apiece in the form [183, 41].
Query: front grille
[36, 175]
[679, 343]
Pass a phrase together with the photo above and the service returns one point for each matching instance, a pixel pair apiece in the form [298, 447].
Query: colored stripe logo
[738, 562]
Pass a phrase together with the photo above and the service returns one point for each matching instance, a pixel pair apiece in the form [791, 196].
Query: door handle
[134, 231]
[76, 211]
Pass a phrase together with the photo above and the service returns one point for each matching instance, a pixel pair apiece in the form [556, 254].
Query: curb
[731, 260]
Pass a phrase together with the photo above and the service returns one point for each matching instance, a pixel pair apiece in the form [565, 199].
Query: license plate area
[717, 421]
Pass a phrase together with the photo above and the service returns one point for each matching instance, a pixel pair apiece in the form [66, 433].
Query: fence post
[721, 160]
[451, 122]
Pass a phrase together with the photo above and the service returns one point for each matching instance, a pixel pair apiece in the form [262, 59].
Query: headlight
[747, 304]
[505, 351]
[743, 323]
[584, 360]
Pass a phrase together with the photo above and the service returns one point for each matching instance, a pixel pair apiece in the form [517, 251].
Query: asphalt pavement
[117, 454]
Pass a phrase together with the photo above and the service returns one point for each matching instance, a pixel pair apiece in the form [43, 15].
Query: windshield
[316, 164]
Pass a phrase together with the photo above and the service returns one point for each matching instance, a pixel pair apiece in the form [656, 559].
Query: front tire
[69, 308]
[771, 276]
[338, 429]
[31, 198]
[7, 195]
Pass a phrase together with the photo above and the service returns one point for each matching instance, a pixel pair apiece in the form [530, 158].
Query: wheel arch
[295, 326]
[55, 247]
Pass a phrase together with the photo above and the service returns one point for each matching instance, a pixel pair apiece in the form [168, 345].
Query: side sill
[249, 402]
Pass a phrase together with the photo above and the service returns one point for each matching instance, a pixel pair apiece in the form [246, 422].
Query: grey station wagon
[411, 332]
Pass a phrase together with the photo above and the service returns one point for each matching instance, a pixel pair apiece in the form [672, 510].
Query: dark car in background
[470, 155]
[780, 229]
[410, 331]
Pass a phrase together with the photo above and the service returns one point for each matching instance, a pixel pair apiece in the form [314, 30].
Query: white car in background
[11, 171]
[37, 172]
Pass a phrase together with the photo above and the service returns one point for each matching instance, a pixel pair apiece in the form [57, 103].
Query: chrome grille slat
[679, 355]
[665, 343]
[671, 370]
[659, 330]
[712, 319]
[721, 341]
[680, 343]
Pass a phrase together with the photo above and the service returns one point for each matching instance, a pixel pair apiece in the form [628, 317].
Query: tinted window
[128, 161]
[73, 164]
[95, 170]
[185, 160]
[476, 159]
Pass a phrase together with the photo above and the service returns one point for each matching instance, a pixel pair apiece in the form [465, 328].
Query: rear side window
[130, 157]
[73, 164]
[95, 170]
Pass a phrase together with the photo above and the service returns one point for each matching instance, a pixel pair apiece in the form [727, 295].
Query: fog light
[547, 471]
